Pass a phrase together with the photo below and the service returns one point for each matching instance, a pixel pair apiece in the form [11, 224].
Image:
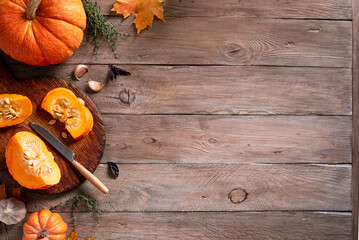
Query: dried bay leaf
[114, 169]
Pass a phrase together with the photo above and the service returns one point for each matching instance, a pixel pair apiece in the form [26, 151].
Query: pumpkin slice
[30, 162]
[14, 109]
[64, 105]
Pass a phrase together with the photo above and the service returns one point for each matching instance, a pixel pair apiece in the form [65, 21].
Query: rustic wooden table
[236, 123]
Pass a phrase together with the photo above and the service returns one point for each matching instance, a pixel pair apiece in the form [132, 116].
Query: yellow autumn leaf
[2, 192]
[146, 10]
[73, 235]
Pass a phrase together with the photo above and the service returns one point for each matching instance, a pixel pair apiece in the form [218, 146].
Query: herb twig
[91, 204]
[98, 26]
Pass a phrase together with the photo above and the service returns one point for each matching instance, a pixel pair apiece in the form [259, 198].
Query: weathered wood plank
[210, 225]
[317, 9]
[216, 187]
[227, 139]
[213, 90]
[355, 173]
[229, 41]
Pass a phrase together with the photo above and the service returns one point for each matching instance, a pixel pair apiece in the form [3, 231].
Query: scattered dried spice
[98, 26]
[116, 71]
[114, 169]
[91, 204]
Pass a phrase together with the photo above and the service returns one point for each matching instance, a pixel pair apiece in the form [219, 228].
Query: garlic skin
[95, 86]
[12, 211]
[80, 70]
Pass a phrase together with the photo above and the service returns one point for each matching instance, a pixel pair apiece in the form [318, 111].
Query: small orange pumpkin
[30, 163]
[14, 109]
[44, 225]
[41, 32]
[64, 105]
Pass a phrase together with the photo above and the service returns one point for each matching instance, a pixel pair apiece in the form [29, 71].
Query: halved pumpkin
[14, 109]
[30, 162]
[64, 105]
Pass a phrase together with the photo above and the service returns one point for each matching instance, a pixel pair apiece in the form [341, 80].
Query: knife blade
[69, 155]
[54, 141]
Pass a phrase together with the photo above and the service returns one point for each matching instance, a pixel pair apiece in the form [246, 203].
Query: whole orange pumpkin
[41, 32]
[44, 225]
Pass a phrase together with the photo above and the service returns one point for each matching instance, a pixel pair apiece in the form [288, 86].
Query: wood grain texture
[217, 187]
[88, 151]
[212, 90]
[355, 173]
[210, 225]
[317, 9]
[227, 139]
[229, 41]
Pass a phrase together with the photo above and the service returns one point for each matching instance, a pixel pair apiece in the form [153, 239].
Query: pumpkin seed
[59, 114]
[12, 110]
[27, 154]
[9, 116]
[1, 102]
[7, 101]
[81, 101]
[64, 104]
[52, 122]
[64, 135]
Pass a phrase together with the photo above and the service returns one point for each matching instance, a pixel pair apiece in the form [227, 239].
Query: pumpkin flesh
[64, 105]
[30, 163]
[44, 223]
[51, 37]
[14, 109]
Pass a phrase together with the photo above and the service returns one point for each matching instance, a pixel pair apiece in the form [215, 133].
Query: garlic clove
[95, 86]
[12, 211]
[80, 70]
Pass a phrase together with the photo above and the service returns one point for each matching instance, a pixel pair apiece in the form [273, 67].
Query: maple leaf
[2, 192]
[146, 10]
[73, 236]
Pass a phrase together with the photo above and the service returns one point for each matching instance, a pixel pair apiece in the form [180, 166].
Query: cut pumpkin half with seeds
[30, 162]
[64, 106]
[14, 109]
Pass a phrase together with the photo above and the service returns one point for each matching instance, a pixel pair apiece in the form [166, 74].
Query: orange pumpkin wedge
[30, 162]
[14, 109]
[64, 105]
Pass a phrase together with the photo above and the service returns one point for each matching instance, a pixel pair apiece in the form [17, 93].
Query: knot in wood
[127, 96]
[212, 140]
[237, 195]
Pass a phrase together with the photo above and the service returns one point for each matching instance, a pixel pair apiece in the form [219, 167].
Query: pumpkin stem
[43, 234]
[31, 9]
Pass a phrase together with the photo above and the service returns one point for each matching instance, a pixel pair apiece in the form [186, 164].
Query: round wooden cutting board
[88, 150]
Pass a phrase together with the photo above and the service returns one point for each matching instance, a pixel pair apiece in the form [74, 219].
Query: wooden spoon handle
[89, 176]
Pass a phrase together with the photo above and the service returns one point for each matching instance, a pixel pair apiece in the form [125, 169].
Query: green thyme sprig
[91, 204]
[98, 26]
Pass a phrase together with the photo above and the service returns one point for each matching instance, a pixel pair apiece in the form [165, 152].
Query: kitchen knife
[69, 155]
